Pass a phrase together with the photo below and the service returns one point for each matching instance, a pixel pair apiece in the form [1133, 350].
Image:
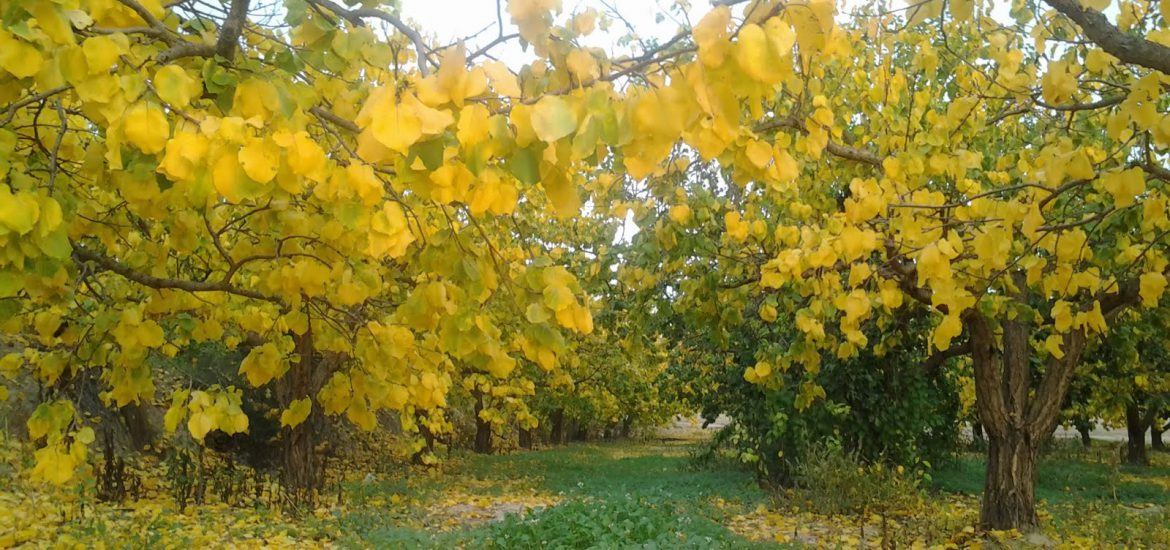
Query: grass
[1085, 497]
[1066, 479]
[620, 495]
[608, 496]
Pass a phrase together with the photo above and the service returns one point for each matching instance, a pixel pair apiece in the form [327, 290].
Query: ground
[640, 494]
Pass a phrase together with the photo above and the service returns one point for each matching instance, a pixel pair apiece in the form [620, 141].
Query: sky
[449, 20]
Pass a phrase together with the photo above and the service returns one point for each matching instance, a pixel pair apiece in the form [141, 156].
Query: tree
[1130, 380]
[1014, 186]
[200, 172]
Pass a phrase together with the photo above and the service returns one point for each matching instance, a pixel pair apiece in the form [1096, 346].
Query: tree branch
[936, 359]
[355, 19]
[229, 35]
[82, 254]
[1128, 48]
[225, 45]
[836, 149]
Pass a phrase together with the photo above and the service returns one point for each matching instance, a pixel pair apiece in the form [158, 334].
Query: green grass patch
[618, 495]
[1065, 480]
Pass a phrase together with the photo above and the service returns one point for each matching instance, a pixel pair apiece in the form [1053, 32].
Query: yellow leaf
[18, 212]
[681, 214]
[473, 125]
[18, 57]
[1071, 246]
[146, 127]
[54, 465]
[585, 22]
[763, 369]
[922, 10]
[174, 415]
[949, 328]
[711, 36]
[51, 19]
[1062, 316]
[255, 97]
[199, 424]
[335, 395]
[263, 364]
[502, 79]
[561, 192]
[1054, 345]
[1151, 286]
[962, 10]
[389, 232]
[1059, 83]
[768, 312]
[231, 181]
[260, 159]
[101, 52]
[737, 229]
[759, 153]
[361, 178]
[175, 86]
[391, 124]
[553, 118]
[296, 413]
[583, 65]
[184, 152]
[755, 56]
[1124, 185]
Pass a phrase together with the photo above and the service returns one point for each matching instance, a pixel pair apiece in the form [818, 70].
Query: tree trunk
[1084, 427]
[557, 434]
[483, 429]
[1009, 492]
[428, 440]
[525, 438]
[1156, 430]
[1135, 427]
[138, 426]
[300, 465]
[1015, 417]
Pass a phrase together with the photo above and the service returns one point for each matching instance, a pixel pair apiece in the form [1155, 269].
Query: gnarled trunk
[1009, 491]
[300, 466]
[1016, 418]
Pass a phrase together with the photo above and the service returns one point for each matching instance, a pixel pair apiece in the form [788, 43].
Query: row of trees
[970, 201]
[389, 224]
[369, 217]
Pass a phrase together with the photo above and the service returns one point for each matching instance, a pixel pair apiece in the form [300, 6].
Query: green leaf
[525, 165]
[430, 152]
[56, 244]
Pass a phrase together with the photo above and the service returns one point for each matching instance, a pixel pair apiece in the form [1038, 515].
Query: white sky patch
[451, 20]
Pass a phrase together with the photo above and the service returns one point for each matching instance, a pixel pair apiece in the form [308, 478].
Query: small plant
[184, 476]
[115, 481]
[832, 481]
